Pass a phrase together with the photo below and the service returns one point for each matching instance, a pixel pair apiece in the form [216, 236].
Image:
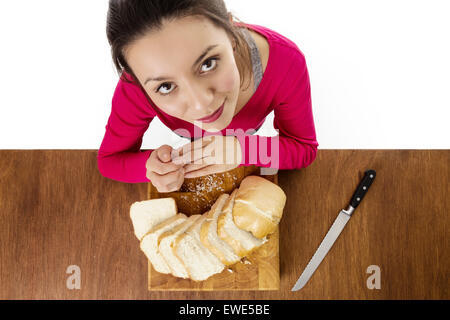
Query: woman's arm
[119, 157]
[296, 146]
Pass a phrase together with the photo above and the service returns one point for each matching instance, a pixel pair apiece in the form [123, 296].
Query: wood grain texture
[260, 270]
[57, 210]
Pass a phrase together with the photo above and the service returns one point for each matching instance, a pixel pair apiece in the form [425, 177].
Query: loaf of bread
[200, 246]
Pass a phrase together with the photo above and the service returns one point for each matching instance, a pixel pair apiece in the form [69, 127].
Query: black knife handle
[363, 187]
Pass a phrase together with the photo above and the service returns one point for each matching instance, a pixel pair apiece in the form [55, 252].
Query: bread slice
[198, 260]
[147, 214]
[258, 206]
[165, 245]
[242, 242]
[149, 243]
[210, 238]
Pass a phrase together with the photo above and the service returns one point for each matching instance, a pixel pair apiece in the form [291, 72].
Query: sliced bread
[200, 263]
[147, 214]
[210, 238]
[165, 246]
[149, 243]
[242, 242]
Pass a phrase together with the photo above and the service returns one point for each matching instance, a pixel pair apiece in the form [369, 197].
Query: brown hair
[127, 20]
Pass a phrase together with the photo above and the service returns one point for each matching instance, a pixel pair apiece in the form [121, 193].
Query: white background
[380, 71]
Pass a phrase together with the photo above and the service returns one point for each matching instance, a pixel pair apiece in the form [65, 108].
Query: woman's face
[188, 70]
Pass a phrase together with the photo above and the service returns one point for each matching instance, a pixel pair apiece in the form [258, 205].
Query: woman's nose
[199, 98]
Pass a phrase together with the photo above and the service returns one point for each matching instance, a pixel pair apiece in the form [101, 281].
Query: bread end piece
[258, 206]
[148, 213]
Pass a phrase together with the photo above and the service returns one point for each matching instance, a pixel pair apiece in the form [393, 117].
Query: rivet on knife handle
[363, 187]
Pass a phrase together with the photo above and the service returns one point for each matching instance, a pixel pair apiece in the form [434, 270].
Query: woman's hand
[165, 175]
[207, 155]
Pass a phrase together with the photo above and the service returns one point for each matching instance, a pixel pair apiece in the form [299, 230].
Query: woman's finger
[162, 168]
[214, 168]
[193, 153]
[189, 147]
[164, 153]
[201, 172]
[193, 167]
[166, 182]
[175, 186]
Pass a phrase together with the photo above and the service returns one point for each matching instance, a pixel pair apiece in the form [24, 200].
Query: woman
[186, 62]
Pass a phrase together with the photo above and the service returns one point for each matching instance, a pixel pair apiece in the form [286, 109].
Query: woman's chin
[213, 127]
[218, 125]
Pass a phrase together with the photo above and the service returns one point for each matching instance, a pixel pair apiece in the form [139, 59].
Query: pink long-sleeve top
[284, 88]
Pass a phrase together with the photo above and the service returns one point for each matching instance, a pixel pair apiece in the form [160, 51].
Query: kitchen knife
[335, 230]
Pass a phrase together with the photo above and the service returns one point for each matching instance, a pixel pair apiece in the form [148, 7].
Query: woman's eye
[207, 62]
[164, 85]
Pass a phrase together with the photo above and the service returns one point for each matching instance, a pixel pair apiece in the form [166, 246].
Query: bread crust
[246, 218]
[258, 206]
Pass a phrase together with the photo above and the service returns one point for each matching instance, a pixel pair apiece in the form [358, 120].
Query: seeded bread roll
[258, 206]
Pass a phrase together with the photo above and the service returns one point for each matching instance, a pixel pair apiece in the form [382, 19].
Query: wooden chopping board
[258, 271]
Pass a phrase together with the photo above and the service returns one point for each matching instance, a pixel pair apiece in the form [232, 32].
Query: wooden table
[57, 210]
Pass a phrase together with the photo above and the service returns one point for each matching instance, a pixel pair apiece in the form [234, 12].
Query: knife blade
[335, 229]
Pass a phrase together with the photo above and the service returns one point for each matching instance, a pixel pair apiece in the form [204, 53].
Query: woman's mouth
[213, 117]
